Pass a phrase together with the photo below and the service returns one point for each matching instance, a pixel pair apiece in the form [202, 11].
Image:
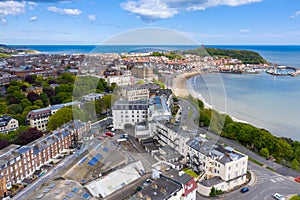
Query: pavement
[265, 184]
[190, 122]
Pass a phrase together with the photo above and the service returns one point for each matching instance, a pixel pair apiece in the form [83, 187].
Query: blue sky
[206, 21]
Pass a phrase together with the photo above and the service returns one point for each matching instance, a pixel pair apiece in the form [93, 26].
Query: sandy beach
[179, 85]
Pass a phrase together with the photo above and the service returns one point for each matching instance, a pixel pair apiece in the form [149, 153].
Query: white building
[120, 80]
[39, 118]
[92, 97]
[222, 168]
[134, 93]
[7, 124]
[129, 113]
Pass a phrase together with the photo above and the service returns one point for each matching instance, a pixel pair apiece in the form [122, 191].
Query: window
[229, 168]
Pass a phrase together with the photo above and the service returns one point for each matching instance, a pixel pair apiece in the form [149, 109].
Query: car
[111, 134]
[100, 138]
[244, 190]
[278, 196]
[297, 179]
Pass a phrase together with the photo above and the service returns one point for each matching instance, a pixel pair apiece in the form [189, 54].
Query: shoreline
[182, 89]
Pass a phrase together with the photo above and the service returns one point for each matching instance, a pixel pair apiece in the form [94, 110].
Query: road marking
[273, 181]
[262, 191]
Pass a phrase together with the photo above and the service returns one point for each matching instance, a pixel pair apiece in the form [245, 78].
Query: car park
[244, 190]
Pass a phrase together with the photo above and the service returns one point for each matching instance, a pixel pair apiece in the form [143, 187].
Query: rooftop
[212, 181]
[159, 189]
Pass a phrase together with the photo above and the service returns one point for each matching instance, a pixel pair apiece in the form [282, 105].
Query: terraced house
[18, 163]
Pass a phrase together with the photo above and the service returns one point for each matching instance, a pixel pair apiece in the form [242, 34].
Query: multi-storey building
[39, 118]
[221, 167]
[7, 123]
[187, 183]
[17, 163]
[135, 93]
[129, 113]
[143, 72]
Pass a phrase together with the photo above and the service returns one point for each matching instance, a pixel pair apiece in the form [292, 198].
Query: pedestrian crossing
[261, 177]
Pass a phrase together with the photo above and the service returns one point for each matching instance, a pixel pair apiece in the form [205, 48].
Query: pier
[284, 71]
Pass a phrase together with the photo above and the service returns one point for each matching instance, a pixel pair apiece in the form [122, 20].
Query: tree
[15, 109]
[33, 96]
[3, 144]
[25, 103]
[264, 152]
[30, 79]
[213, 192]
[30, 135]
[3, 108]
[61, 117]
[45, 99]
[295, 164]
[49, 92]
[28, 109]
[20, 118]
[66, 78]
[39, 103]
[12, 89]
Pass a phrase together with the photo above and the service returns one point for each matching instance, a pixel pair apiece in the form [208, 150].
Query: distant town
[110, 126]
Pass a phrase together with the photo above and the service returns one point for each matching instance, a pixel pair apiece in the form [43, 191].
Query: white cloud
[163, 9]
[32, 5]
[33, 18]
[296, 14]
[12, 8]
[92, 17]
[65, 11]
[150, 9]
[2, 21]
[245, 30]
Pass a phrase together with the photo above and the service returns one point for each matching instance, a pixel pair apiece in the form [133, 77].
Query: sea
[262, 100]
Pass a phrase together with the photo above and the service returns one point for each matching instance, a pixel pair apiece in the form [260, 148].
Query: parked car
[111, 134]
[278, 196]
[100, 138]
[244, 190]
[297, 179]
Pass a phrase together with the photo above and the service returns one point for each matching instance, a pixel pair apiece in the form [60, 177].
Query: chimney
[148, 197]
[140, 195]
[154, 185]
[163, 190]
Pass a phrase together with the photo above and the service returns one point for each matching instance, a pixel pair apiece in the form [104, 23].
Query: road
[267, 183]
[190, 121]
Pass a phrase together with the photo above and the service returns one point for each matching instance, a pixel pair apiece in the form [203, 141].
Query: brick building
[18, 163]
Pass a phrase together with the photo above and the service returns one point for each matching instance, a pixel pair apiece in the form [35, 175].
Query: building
[129, 113]
[188, 185]
[7, 124]
[39, 118]
[135, 93]
[18, 163]
[221, 167]
[103, 187]
[36, 90]
[92, 97]
[122, 80]
[143, 72]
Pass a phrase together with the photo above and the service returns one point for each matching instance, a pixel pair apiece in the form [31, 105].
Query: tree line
[65, 88]
[285, 150]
